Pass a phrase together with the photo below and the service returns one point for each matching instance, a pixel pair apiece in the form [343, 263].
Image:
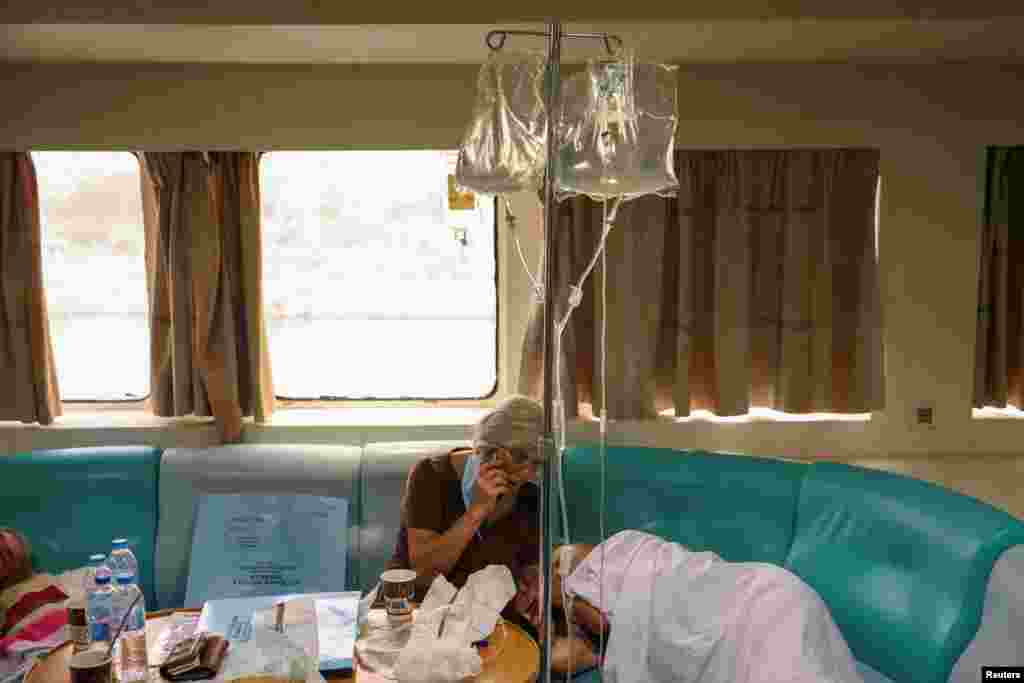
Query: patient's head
[15, 558]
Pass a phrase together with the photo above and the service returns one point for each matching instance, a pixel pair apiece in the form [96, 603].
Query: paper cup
[90, 666]
[398, 588]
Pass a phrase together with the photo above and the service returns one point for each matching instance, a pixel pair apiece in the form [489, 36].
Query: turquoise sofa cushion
[743, 508]
[71, 503]
[902, 564]
[384, 470]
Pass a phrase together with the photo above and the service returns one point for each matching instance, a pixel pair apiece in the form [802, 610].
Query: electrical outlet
[924, 415]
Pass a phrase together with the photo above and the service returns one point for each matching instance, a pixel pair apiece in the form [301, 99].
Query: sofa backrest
[385, 468]
[50, 496]
[188, 473]
[743, 508]
[902, 564]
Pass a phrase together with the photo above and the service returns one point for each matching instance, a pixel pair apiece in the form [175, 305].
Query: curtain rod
[496, 39]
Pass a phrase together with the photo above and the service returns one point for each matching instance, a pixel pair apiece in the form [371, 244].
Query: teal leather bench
[926, 585]
[72, 503]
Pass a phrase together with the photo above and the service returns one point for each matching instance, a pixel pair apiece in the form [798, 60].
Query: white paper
[233, 617]
[336, 631]
[251, 544]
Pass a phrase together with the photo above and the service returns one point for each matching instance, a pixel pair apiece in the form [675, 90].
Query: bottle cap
[120, 543]
[102, 579]
[125, 579]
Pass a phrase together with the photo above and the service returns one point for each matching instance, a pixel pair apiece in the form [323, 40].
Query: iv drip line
[510, 219]
[575, 298]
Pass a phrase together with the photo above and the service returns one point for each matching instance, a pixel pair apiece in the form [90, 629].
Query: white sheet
[677, 615]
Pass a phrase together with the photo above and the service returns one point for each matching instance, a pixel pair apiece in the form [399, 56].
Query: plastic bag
[617, 130]
[504, 146]
[269, 654]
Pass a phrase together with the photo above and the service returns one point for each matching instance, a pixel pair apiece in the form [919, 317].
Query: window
[374, 286]
[94, 273]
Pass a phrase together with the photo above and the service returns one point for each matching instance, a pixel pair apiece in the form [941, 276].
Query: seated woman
[468, 508]
[671, 614]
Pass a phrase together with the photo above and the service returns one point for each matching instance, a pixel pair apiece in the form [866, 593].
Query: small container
[398, 588]
[92, 666]
[78, 626]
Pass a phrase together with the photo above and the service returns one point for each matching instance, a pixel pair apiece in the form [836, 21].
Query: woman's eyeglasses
[513, 456]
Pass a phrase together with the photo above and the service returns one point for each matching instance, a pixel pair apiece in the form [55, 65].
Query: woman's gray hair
[516, 423]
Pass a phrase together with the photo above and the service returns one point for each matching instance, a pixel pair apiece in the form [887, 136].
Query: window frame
[332, 401]
[99, 404]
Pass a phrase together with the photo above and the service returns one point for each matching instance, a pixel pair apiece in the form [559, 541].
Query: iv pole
[552, 101]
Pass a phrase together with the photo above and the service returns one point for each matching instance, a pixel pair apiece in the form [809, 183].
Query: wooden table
[517, 661]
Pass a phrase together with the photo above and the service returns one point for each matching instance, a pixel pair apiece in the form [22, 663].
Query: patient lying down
[671, 614]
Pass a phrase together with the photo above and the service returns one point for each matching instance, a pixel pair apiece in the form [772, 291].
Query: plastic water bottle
[130, 660]
[96, 567]
[122, 560]
[100, 605]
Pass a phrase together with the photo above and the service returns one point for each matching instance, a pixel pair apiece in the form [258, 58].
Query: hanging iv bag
[504, 147]
[617, 130]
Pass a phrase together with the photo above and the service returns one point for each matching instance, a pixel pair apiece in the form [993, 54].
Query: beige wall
[931, 123]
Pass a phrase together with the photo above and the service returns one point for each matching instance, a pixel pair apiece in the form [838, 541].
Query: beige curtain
[756, 286]
[203, 257]
[999, 346]
[28, 373]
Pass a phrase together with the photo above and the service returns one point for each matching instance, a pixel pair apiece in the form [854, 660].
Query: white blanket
[681, 616]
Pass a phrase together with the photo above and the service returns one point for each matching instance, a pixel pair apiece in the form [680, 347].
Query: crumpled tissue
[420, 652]
[383, 643]
[445, 660]
[477, 607]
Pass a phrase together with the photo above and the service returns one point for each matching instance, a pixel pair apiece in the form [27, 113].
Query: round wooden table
[517, 660]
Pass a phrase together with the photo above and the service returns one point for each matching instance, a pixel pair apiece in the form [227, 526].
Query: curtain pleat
[999, 356]
[756, 286]
[239, 202]
[28, 373]
[208, 343]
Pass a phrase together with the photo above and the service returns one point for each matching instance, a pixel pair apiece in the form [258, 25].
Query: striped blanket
[33, 621]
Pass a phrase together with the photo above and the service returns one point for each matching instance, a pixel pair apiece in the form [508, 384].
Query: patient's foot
[572, 654]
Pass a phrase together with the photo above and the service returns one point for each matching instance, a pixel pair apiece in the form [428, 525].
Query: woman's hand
[491, 483]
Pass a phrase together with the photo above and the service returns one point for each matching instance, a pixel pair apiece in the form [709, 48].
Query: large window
[94, 273]
[376, 286]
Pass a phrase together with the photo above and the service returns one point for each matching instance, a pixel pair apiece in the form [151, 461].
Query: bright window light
[374, 286]
[991, 412]
[767, 415]
[94, 273]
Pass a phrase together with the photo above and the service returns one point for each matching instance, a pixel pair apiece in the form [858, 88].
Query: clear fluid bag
[504, 147]
[617, 130]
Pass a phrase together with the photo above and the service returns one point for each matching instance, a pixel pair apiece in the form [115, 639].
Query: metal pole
[553, 101]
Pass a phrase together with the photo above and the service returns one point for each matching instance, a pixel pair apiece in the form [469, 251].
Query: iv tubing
[575, 298]
[510, 219]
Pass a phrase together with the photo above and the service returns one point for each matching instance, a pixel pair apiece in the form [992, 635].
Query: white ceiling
[776, 40]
